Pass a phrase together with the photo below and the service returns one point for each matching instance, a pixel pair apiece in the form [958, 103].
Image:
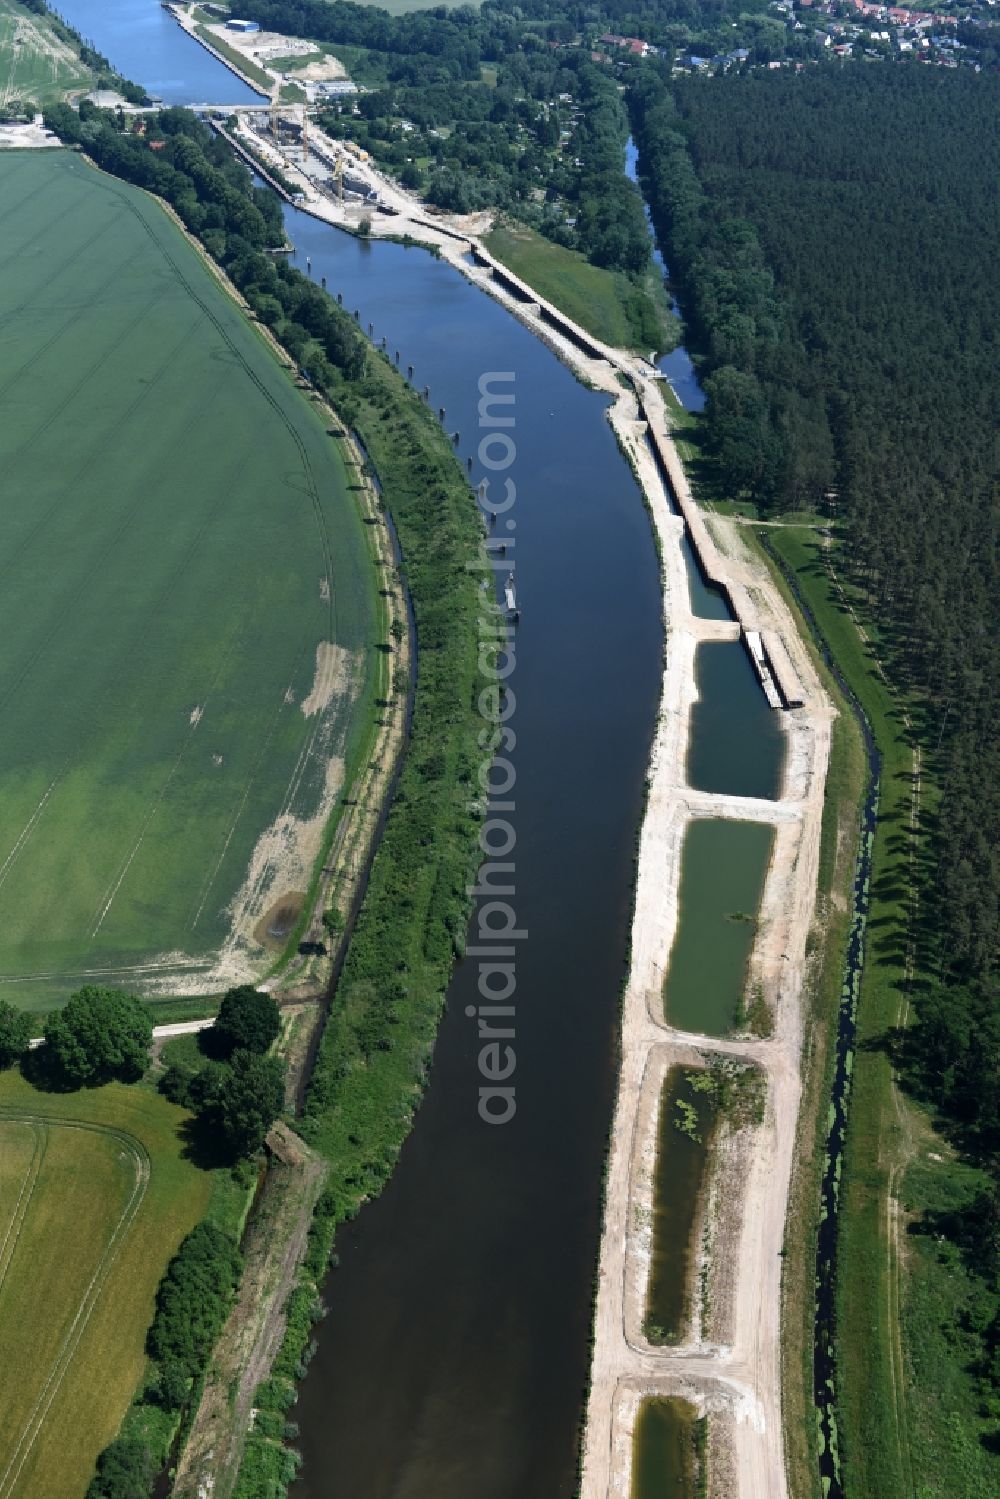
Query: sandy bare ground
[25, 137]
[738, 1382]
[409, 215]
[30, 38]
[740, 1377]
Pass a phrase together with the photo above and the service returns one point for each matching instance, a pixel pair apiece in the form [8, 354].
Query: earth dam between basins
[454, 1357]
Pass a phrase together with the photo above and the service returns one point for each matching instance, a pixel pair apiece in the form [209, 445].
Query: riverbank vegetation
[374, 1056]
[871, 394]
[906, 1396]
[916, 1406]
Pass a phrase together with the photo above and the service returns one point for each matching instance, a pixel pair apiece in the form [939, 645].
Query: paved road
[163, 1032]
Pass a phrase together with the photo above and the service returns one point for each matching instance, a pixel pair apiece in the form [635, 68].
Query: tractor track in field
[29, 828]
[123, 526]
[297, 481]
[9, 1245]
[35, 1420]
[260, 387]
[45, 233]
[155, 965]
[39, 350]
[306, 754]
[225, 492]
[97, 453]
[265, 744]
[168, 585]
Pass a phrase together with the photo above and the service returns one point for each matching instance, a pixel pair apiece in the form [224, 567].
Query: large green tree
[193, 1300]
[15, 1033]
[100, 1035]
[125, 1470]
[248, 1020]
[249, 1097]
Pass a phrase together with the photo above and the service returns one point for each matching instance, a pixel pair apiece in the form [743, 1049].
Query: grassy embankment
[36, 64]
[373, 1059]
[907, 1404]
[871, 1393]
[86, 1239]
[608, 304]
[170, 593]
[237, 59]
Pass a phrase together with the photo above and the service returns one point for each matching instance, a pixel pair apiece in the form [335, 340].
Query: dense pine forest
[835, 237]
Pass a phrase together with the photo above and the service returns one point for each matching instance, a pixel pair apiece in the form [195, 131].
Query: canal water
[723, 865]
[148, 46]
[454, 1357]
[453, 1360]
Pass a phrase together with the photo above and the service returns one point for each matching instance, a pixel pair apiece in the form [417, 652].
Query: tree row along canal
[454, 1357]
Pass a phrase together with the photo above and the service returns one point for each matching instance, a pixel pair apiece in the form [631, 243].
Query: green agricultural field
[36, 64]
[95, 1197]
[187, 605]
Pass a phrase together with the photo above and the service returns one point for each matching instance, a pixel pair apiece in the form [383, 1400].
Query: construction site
[281, 139]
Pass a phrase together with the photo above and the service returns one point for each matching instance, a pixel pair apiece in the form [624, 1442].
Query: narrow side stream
[825, 1348]
[676, 365]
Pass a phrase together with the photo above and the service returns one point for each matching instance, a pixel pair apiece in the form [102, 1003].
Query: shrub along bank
[372, 1063]
[373, 1059]
[192, 1303]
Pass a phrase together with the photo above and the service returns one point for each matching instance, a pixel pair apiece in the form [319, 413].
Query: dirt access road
[737, 1375]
